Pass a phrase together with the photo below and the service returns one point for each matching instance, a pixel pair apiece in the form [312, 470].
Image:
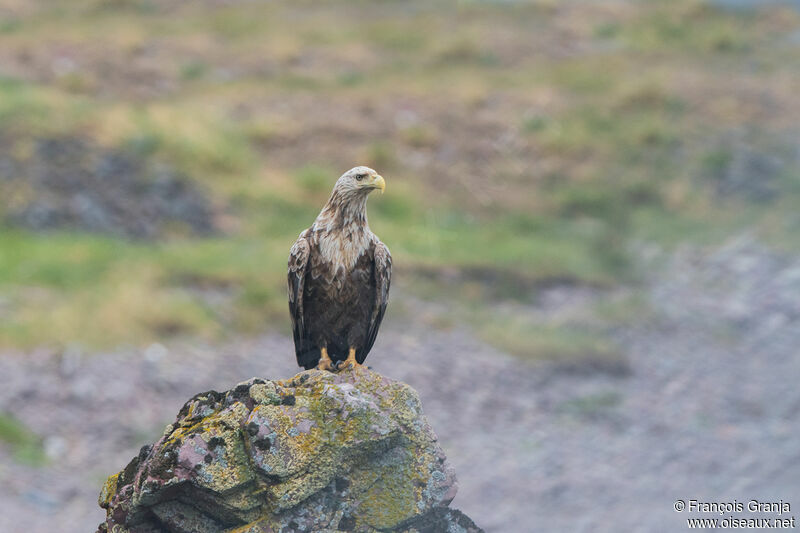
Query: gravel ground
[709, 410]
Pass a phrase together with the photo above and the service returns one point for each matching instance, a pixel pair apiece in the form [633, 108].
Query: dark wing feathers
[383, 277]
[298, 261]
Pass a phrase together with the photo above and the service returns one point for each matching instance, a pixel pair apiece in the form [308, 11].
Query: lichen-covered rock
[319, 452]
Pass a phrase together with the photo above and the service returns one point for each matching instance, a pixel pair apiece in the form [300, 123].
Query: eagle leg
[350, 362]
[325, 362]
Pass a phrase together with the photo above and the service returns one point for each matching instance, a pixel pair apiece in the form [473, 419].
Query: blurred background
[593, 208]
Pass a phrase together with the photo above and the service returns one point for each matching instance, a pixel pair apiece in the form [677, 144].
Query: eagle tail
[308, 359]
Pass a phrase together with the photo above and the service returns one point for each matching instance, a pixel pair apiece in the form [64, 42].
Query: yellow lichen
[108, 490]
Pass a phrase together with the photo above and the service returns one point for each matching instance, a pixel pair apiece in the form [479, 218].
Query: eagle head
[359, 181]
[348, 202]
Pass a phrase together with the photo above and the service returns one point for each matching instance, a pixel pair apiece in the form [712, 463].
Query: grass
[518, 336]
[592, 406]
[103, 291]
[25, 445]
[504, 151]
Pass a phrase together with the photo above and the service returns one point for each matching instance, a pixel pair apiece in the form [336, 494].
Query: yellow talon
[325, 362]
[350, 362]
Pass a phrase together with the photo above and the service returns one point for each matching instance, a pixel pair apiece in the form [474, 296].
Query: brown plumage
[339, 274]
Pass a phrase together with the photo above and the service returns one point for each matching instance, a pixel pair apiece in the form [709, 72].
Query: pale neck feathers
[342, 230]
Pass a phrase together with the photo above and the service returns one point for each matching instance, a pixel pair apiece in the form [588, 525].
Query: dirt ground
[708, 410]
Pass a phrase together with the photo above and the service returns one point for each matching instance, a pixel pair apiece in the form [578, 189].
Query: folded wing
[298, 262]
[383, 277]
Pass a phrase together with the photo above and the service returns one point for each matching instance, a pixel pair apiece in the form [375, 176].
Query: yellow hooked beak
[379, 183]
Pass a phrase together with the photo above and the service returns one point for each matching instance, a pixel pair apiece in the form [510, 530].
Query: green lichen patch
[386, 490]
[278, 447]
[265, 393]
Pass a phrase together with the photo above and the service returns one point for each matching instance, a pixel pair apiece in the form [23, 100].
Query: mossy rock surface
[319, 452]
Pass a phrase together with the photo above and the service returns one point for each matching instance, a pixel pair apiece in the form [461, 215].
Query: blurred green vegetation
[25, 445]
[538, 140]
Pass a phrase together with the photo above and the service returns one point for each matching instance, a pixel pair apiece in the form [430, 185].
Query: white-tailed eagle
[339, 274]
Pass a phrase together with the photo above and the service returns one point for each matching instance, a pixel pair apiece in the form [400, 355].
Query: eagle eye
[360, 177]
